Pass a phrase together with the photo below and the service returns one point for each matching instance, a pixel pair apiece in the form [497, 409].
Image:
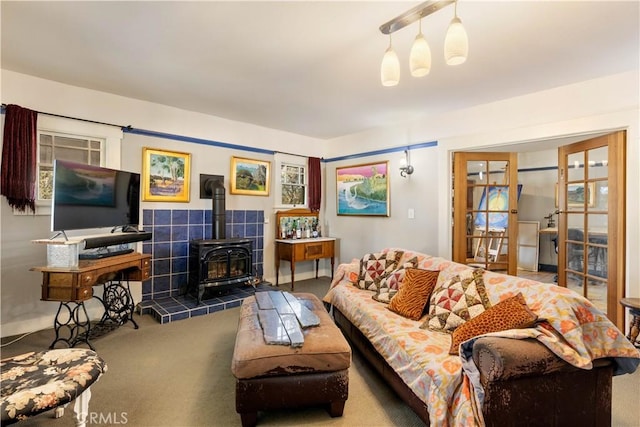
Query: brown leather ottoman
[277, 376]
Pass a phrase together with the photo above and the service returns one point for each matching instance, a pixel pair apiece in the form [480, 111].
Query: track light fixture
[456, 46]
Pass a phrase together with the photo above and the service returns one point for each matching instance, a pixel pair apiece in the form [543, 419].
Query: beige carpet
[178, 374]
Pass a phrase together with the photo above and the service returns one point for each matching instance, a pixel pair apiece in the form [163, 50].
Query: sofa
[463, 346]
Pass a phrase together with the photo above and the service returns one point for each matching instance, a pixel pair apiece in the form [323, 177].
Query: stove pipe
[218, 217]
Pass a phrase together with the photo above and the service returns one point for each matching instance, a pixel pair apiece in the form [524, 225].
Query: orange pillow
[511, 313]
[414, 293]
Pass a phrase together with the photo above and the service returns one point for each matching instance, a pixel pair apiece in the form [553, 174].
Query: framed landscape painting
[576, 195]
[363, 189]
[250, 177]
[165, 175]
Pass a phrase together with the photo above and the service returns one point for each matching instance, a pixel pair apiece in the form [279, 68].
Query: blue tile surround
[170, 309]
[169, 248]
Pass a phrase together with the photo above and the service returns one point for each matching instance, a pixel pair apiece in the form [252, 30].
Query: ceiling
[313, 67]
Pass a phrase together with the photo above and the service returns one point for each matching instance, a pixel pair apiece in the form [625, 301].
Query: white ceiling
[313, 67]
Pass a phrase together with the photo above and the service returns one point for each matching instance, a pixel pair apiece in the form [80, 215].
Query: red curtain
[315, 184]
[19, 150]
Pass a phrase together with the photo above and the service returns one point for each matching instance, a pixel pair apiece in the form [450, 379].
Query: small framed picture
[165, 175]
[250, 177]
[577, 193]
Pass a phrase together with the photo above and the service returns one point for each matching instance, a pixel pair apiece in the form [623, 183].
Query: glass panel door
[589, 262]
[485, 210]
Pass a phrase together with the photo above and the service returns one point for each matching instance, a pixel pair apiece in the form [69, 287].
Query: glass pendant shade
[420, 57]
[390, 69]
[456, 43]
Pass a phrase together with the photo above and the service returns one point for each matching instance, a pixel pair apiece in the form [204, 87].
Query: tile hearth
[170, 309]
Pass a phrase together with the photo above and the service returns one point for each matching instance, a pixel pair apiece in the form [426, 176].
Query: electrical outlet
[411, 213]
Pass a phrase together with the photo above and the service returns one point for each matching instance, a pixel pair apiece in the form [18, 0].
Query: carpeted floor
[178, 374]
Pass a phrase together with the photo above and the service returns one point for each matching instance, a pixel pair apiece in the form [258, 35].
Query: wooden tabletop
[633, 303]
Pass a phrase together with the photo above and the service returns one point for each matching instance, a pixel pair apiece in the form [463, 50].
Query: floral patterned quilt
[572, 327]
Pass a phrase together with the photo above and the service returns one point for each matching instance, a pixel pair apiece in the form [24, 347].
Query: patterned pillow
[394, 279]
[414, 293]
[384, 296]
[511, 313]
[376, 266]
[457, 300]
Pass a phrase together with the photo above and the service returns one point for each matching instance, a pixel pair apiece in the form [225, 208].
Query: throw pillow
[376, 266]
[511, 313]
[394, 279]
[385, 296]
[414, 293]
[457, 300]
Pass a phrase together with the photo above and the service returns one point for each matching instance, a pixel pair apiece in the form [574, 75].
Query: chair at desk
[575, 252]
[599, 254]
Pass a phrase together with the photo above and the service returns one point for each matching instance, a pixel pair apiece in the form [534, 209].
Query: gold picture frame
[250, 177]
[576, 195]
[363, 189]
[165, 175]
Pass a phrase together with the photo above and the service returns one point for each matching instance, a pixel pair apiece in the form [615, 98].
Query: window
[74, 140]
[53, 145]
[291, 186]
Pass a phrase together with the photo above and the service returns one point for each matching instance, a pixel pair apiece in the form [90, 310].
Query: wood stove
[220, 264]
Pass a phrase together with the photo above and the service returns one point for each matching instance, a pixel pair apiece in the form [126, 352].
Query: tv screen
[87, 196]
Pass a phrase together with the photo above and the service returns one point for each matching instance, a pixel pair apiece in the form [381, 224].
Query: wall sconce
[405, 166]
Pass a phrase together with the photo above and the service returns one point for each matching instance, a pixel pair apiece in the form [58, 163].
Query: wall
[585, 108]
[21, 308]
[580, 109]
[418, 192]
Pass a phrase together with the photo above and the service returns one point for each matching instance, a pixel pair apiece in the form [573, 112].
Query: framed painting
[165, 175]
[576, 195]
[363, 189]
[495, 198]
[250, 177]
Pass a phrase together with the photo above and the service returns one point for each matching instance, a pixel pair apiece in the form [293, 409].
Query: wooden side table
[304, 250]
[633, 304]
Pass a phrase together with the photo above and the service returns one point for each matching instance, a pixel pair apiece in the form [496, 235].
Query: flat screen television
[87, 196]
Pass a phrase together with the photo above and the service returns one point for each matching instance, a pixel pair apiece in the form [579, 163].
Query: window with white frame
[292, 185]
[53, 145]
[74, 140]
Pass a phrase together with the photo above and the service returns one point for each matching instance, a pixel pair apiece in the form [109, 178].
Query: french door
[591, 221]
[485, 213]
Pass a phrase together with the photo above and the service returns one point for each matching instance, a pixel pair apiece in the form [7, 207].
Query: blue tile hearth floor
[170, 309]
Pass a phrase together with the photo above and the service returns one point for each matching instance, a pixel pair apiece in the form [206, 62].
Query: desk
[597, 238]
[548, 230]
[74, 285]
[294, 250]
